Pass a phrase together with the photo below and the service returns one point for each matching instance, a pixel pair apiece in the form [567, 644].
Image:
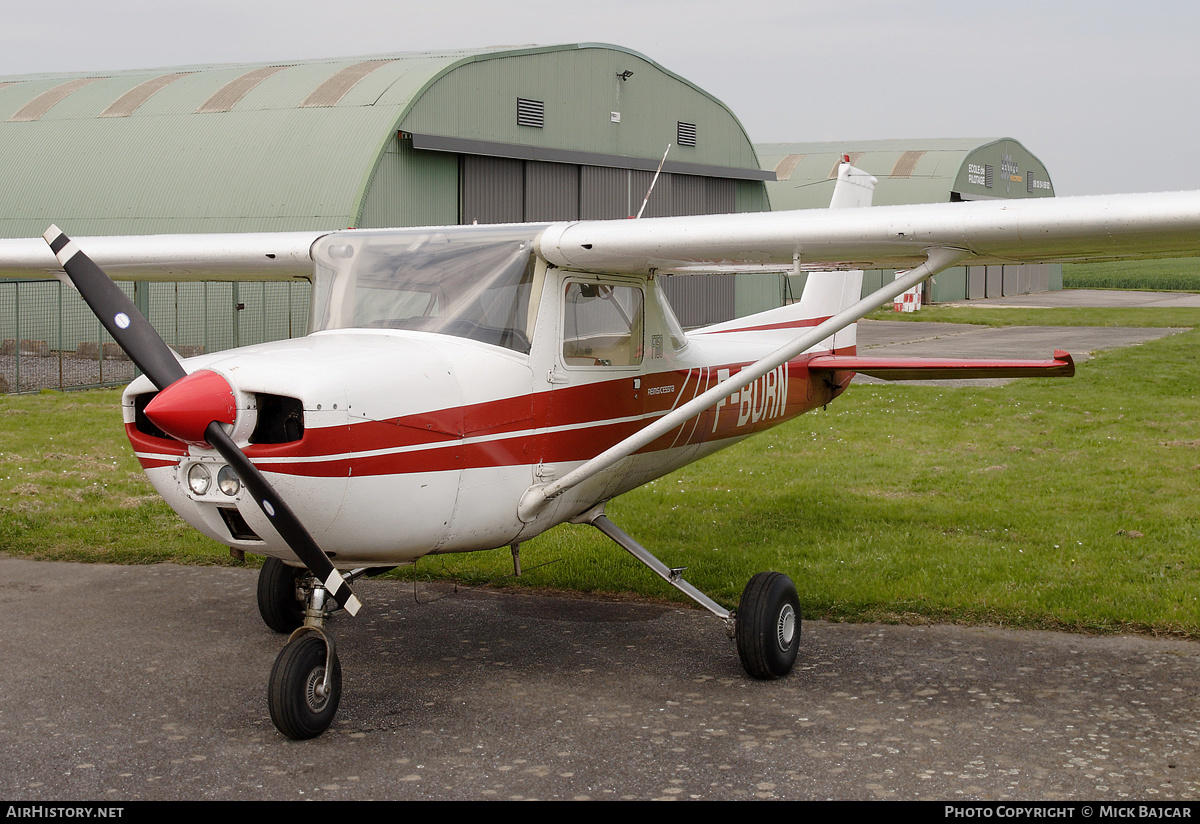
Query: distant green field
[1064, 503]
[1180, 274]
[984, 315]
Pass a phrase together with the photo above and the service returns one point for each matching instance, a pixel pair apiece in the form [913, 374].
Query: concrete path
[149, 682]
[928, 340]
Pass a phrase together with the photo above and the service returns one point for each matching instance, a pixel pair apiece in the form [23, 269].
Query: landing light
[228, 481]
[199, 479]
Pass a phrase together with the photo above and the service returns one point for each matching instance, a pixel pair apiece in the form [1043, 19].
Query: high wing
[926, 239]
[1042, 230]
[247, 256]
[1059, 229]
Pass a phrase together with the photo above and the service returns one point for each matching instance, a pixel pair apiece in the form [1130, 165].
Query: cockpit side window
[603, 325]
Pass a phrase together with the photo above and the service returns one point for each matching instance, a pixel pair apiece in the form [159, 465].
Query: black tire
[297, 709]
[278, 605]
[768, 626]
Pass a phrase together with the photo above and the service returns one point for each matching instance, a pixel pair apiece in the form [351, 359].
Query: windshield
[469, 281]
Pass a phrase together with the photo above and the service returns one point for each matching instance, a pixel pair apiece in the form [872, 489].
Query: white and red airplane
[469, 387]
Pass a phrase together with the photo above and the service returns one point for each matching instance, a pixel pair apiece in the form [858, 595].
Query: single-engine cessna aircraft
[469, 387]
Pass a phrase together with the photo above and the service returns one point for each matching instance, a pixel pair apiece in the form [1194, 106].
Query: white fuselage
[417, 442]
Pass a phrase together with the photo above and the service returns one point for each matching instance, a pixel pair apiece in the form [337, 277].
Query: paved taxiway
[125, 683]
[930, 340]
[149, 683]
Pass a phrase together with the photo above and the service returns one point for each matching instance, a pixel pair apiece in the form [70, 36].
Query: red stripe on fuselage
[570, 423]
[149, 449]
[800, 323]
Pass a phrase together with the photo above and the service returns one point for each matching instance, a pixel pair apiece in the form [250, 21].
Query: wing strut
[936, 260]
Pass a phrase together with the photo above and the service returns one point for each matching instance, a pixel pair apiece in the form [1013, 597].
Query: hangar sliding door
[604, 193]
[551, 191]
[509, 190]
[491, 190]
[699, 301]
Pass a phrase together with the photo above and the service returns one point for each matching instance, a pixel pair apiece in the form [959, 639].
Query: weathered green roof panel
[198, 154]
[300, 145]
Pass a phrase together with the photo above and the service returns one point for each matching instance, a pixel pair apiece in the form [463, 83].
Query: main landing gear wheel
[278, 604]
[768, 626]
[301, 704]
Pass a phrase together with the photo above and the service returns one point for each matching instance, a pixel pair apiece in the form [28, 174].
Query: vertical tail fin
[854, 187]
[827, 293]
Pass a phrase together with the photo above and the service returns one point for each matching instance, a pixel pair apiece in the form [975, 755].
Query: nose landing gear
[280, 597]
[306, 685]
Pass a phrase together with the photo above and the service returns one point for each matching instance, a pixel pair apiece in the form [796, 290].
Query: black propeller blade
[137, 337]
[116, 311]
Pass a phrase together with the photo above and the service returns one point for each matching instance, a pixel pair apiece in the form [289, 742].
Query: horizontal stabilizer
[925, 369]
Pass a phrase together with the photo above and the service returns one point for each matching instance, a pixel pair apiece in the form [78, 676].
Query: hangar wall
[435, 138]
[560, 133]
[935, 170]
[383, 140]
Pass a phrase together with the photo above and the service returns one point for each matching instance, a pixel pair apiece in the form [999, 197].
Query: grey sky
[1102, 92]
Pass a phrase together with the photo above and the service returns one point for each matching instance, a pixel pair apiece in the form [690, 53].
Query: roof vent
[685, 134]
[128, 103]
[907, 163]
[531, 113]
[331, 92]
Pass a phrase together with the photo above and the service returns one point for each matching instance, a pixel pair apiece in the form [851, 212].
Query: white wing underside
[1109, 227]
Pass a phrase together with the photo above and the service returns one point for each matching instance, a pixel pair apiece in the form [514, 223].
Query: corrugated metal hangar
[938, 170]
[486, 135]
[498, 135]
[909, 171]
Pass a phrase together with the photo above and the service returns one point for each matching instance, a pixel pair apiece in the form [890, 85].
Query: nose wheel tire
[768, 626]
[301, 704]
[278, 605]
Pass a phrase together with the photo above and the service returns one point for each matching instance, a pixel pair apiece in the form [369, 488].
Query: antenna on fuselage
[652, 182]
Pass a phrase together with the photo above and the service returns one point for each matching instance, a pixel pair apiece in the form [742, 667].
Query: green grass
[1179, 274]
[1055, 504]
[1063, 503]
[71, 489]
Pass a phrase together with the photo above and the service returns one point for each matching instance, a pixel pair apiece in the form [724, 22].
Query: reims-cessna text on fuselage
[469, 387]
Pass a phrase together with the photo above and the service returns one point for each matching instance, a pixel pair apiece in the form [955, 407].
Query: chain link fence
[49, 338]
